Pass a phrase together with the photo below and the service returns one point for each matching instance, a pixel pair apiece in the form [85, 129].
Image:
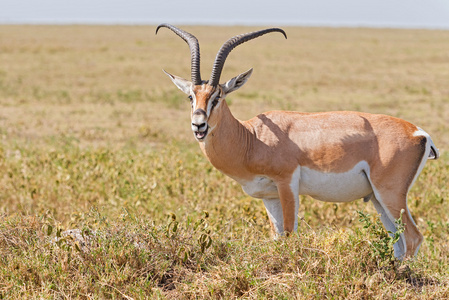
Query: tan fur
[277, 142]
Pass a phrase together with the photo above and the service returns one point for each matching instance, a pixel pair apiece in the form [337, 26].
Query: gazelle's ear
[182, 84]
[237, 82]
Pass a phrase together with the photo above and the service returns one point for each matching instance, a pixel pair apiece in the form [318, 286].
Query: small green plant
[382, 244]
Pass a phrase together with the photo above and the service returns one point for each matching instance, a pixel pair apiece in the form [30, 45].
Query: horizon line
[127, 22]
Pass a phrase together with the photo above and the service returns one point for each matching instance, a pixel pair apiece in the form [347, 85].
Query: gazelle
[331, 156]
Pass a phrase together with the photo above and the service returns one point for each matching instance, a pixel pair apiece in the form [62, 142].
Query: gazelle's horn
[194, 46]
[231, 44]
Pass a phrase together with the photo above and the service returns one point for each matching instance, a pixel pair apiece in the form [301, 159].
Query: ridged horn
[194, 46]
[230, 45]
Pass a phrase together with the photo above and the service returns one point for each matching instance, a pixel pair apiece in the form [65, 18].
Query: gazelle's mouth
[201, 135]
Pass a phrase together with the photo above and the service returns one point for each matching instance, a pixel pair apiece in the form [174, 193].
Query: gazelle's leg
[391, 183]
[389, 200]
[414, 238]
[390, 209]
[400, 247]
[283, 212]
[274, 210]
[288, 194]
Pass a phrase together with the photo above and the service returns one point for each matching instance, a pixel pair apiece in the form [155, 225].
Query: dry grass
[94, 136]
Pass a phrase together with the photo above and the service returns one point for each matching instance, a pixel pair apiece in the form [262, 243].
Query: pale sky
[372, 13]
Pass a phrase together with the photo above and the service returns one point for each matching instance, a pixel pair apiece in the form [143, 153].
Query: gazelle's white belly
[329, 187]
[336, 187]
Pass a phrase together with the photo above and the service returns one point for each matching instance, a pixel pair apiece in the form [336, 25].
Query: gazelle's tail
[434, 153]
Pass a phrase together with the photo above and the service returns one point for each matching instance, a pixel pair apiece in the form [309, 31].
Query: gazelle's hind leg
[391, 185]
[409, 241]
[400, 247]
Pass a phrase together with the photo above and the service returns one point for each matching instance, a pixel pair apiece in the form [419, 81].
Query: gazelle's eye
[215, 101]
[190, 98]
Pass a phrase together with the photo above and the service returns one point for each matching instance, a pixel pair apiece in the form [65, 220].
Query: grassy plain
[94, 136]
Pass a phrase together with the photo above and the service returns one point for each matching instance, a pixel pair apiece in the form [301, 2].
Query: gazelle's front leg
[274, 211]
[283, 212]
[288, 194]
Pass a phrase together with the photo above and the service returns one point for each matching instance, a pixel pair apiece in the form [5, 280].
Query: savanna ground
[93, 136]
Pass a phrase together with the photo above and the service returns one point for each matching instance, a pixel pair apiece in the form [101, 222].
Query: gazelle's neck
[228, 157]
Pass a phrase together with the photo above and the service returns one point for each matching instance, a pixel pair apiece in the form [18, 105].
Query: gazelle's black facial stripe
[213, 100]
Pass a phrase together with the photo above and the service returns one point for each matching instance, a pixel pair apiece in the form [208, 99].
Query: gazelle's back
[332, 141]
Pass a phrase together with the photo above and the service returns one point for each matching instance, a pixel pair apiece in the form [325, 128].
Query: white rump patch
[431, 150]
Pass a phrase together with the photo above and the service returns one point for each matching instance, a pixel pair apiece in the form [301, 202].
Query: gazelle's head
[206, 96]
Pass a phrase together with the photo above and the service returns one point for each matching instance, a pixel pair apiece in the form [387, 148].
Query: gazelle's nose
[199, 127]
